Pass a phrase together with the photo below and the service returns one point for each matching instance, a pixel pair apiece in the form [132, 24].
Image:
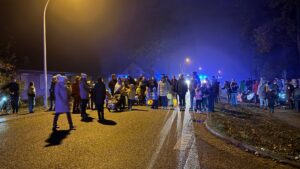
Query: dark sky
[105, 36]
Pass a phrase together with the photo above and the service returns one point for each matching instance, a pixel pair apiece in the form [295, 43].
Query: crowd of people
[268, 93]
[81, 94]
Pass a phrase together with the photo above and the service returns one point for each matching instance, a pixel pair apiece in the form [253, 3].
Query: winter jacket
[261, 91]
[255, 88]
[234, 87]
[84, 90]
[193, 85]
[154, 94]
[31, 91]
[62, 98]
[163, 88]
[52, 90]
[118, 88]
[75, 90]
[131, 92]
[13, 88]
[182, 87]
[111, 85]
[99, 93]
[198, 94]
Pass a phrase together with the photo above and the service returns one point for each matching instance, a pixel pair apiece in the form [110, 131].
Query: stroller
[113, 103]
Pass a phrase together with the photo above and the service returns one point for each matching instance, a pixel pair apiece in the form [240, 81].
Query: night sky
[105, 36]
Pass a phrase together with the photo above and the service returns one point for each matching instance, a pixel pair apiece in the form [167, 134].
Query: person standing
[192, 86]
[62, 102]
[76, 95]
[271, 96]
[174, 87]
[99, 96]
[84, 95]
[234, 90]
[198, 97]
[52, 93]
[255, 89]
[163, 89]
[14, 93]
[181, 89]
[31, 92]
[228, 91]
[155, 98]
[205, 94]
[262, 93]
[212, 95]
[112, 84]
[131, 96]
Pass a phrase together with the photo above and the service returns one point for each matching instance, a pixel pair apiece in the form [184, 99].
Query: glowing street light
[187, 60]
[219, 72]
[200, 68]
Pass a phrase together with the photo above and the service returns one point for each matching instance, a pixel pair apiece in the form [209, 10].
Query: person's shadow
[57, 137]
[107, 122]
[87, 119]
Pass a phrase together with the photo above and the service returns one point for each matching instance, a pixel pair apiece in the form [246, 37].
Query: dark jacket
[52, 90]
[13, 88]
[111, 85]
[99, 93]
[174, 85]
[181, 87]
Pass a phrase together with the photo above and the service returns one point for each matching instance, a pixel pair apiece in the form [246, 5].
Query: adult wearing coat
[181, 89]
[14, 92]
[62, 101]
[262, 93]
[112, 84]
[76, 95]
[84, 89]
[52, 93]
[31, 92]
[100, 95]
[163, 89]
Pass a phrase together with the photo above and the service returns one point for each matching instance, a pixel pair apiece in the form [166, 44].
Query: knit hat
[61, 78]
[83, 75]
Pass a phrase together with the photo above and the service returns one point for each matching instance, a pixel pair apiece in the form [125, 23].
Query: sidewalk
[23, 113]
[274, 134]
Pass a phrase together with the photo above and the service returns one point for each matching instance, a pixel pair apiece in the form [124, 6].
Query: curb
[252, 149]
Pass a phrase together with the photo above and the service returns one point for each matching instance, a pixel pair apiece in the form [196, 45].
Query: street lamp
[187, 60]
[45, 56]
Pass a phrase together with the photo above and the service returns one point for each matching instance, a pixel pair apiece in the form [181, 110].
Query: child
[148, 95]
[198, 97]
[155, 99]
[131, 96]
[139, 94]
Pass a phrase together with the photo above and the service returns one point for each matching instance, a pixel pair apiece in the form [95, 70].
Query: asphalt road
[142, 138]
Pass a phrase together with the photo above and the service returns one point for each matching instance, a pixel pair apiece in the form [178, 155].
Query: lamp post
[187, 61]
[45, 56]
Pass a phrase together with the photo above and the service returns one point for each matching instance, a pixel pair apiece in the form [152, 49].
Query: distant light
[188, 60]
[219, 71]
[204, 81]
[4, 99]
[187, 82]
[200, 68]
[282, 96]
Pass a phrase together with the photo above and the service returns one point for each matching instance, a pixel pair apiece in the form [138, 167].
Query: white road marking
[163, 134]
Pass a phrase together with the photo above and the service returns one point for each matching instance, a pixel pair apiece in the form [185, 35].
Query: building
[36, 76]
